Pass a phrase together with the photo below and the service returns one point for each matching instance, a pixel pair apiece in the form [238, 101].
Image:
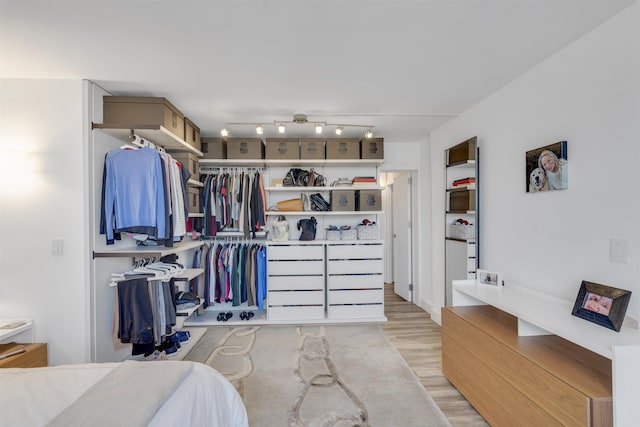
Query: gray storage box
[282, 148]
[193, 200]
[372, 148]
[343, 200]
[368, 200]
[343, 148]
[214, 148]
[143, 110]
[189, 161]
[245, 148]
[192, 134]
[312, 148]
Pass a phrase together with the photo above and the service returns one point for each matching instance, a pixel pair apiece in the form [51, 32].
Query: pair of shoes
[145, 357]
[246, 315]
[223, 317]
[170, 348]
[180, 336]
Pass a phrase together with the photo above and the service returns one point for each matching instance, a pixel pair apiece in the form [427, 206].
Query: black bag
[318, 203]
[296, 178]
[308, 228]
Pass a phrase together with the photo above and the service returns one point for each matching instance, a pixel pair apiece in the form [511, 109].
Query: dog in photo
[538, 180]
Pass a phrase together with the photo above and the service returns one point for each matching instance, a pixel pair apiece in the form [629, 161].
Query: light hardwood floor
[418, 340]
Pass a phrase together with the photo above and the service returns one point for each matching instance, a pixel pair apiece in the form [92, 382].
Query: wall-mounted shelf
[193, 183]
[157, 134]
[292, 162]
[322, 189]
[147, 251]
[323, 213]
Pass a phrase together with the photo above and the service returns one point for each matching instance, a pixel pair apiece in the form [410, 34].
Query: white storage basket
[333, 234]
[462, 231]
[368, 232]
[348, 234]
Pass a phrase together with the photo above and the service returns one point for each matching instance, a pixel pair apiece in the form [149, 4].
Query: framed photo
[601, 304]
[491, 278]
[547, 168]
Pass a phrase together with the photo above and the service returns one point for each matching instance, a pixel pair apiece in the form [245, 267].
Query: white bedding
[34, 397]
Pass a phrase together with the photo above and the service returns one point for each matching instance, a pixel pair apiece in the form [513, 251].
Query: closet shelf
[464, 164]
[196, 215]
[462, 187]
[188, 274]
[291, 162]
[157, 134]
[147, 251]
[189, 311]
[193, 183]
[323, 213]
[321, 189]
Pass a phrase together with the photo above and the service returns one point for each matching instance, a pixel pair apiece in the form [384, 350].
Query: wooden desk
[34, 356]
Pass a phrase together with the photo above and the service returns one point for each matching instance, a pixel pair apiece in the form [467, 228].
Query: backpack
[308, 228]
[318, 203]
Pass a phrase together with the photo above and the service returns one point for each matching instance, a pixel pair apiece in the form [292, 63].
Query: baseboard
[435, 314]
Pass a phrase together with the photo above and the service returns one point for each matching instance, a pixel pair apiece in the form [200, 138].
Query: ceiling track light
[298, 119]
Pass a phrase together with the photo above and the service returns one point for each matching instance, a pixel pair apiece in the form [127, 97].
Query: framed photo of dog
[547, 168]
[601, 304]
[491, 278]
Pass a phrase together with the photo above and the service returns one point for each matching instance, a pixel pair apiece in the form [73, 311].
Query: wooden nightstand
[34, 356]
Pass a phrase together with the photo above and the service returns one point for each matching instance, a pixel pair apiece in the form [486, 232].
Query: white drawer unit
[295, 281]
[355, 284]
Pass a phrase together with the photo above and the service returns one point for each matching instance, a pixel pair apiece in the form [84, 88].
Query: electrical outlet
[57, 247]
[619, 251]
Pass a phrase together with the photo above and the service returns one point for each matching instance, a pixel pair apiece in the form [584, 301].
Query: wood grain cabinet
[34, 356]
[523, 380]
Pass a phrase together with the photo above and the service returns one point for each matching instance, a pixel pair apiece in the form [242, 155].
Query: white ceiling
[404, 66]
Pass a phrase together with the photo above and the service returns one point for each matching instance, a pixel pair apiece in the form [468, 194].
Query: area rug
[318, 376]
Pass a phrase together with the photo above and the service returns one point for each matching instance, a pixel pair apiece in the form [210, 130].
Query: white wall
[589, 95]
[41, 198]
[401, 156]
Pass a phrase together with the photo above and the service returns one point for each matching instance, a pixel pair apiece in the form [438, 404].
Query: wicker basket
[368, 232]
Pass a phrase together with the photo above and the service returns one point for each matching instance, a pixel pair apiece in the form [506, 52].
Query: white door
[401, 234]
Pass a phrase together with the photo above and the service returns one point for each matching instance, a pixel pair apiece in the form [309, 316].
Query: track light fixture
[298, 119]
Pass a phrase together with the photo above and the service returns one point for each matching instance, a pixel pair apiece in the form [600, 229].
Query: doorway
[399, 208]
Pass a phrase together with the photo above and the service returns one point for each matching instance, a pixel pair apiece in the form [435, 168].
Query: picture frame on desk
[601, 304]
[488, 278]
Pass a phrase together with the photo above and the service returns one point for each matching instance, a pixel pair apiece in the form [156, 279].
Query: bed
[151, 393]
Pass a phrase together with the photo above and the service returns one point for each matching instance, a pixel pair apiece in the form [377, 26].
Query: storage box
[333, 235]
[350, 234]
[193, 200]
[192, 134]
[462, 200]
[343, 200]
[369, 200]
[462, 152]
[343, 148]
[372, 148]
[189, 161]
[143, 110]
[462, 231]
[312, 148]
[214, 148]
[282, 148]
[245, 148]
[367, 232]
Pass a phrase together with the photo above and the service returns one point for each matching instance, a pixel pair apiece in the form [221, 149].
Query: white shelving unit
[157, 134]
[21, 333]
[147, 251]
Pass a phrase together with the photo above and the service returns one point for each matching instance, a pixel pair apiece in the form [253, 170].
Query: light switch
[619, 251]
[56, 247]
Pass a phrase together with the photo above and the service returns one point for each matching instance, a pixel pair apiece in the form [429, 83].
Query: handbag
[306, 202]
[307, 228]
[318, 203]
[296, 177]
[290, 205]
[280, 229]
[315, 179]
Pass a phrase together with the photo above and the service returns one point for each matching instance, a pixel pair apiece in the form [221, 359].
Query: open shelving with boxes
[461, 208]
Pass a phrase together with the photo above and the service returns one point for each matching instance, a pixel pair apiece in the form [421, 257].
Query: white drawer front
[356, 296]
[355, 266]
[277, 268]
[294, 252]
[356, 311]
[285, 283]
[356, 282]
[295, 313]
[355, 251]
[295, 298]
